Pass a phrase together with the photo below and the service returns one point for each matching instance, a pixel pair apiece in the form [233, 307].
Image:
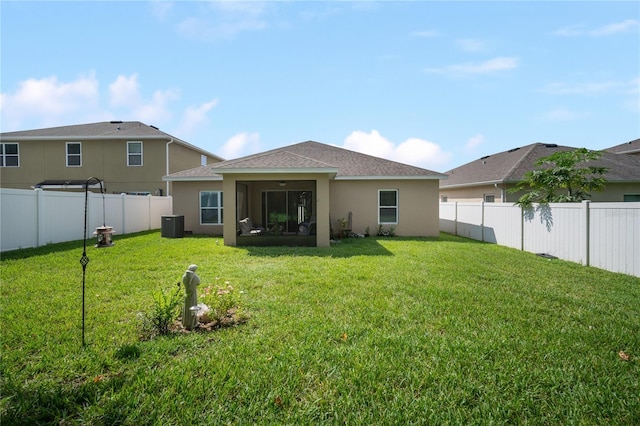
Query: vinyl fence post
[586, 204]
[482, 221]
[455, 218]
[149, 197]
[521, 227]
[123, 200]
[39, 217]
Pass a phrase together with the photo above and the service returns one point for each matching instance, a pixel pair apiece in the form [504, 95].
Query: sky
[429, 83]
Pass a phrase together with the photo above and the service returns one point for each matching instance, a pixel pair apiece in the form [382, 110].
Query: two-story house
[128, 156]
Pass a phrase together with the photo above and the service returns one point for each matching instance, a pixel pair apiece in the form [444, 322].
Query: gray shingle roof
[511, 165]
[104, 129]
[630, 147]
[312, 155]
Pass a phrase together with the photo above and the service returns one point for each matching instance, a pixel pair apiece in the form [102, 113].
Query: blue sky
[433, 84]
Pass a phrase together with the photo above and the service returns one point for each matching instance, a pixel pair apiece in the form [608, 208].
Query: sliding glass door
[283, 211]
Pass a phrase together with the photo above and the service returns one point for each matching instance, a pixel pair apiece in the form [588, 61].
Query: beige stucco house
[490, 177]
[282, 189]
[129, 157]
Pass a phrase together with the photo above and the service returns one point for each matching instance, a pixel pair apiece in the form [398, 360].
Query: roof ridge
[308, 158]
[517, 163]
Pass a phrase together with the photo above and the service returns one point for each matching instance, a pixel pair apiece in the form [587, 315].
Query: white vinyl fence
[33, 218]
[604, 235]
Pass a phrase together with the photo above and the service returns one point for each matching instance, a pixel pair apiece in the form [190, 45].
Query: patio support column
[229, 227]
[322, 212]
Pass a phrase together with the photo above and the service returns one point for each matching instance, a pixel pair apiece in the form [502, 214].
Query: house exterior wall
[104, 158]
[184, 158]
[473, 193]
[418, 214]
[186, 202]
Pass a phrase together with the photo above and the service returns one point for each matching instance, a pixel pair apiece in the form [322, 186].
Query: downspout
[167, 163]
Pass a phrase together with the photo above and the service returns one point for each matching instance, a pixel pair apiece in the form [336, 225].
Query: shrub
[157, 320]
[224, 305]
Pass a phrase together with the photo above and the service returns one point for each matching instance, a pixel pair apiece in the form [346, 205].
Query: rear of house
[283, 188]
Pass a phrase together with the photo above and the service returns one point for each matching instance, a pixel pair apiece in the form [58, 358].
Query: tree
[563, 177]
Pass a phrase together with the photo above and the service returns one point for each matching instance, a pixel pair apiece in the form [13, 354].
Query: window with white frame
[387, 206]
[9, 155]
[134, 153]
[489, 198]
[631, 198]
[211, 208]
[74, 154]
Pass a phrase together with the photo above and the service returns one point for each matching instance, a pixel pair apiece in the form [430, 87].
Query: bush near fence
[604, 235]
[33, 218]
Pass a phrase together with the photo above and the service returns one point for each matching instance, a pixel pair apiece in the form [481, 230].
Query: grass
[369, 331]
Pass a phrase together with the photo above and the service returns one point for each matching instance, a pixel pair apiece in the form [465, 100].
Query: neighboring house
[628, 148]
[282, 188]
[129, 157]
[490, 177]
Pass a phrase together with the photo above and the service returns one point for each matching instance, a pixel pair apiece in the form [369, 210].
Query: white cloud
[605, 30]
[562, 115]
[414, 151]
[155, 110]
[615, 28]
[48, 100]
[161, 9]
[473, 143]
[425, 33]
[193, 117]
[620, 87]
[487, 67]
[471, 45]
[224, 19]
[240, 145]
[124, 91]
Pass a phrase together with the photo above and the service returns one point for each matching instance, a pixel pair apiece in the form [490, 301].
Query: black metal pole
[84, 260]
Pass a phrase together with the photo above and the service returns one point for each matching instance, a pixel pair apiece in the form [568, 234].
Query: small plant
[342, 222]
[386, 232]
[224, 306]
[157, 320]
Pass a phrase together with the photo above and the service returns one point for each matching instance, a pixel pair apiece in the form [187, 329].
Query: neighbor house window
[74, 154]
[134, 153]
[489, 198]
[444, 198]
[210, 207]
[388, 206]
[631, 198]
[9, 156]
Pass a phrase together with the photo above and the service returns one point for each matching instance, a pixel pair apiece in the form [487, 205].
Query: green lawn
[370, 331]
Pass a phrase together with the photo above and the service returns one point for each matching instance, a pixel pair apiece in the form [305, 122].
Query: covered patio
[276, 213]
[290, 210]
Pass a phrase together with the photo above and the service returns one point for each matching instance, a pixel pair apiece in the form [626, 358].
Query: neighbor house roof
[510, 166]
[310, 157]
[631, 147]
[126, 130]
